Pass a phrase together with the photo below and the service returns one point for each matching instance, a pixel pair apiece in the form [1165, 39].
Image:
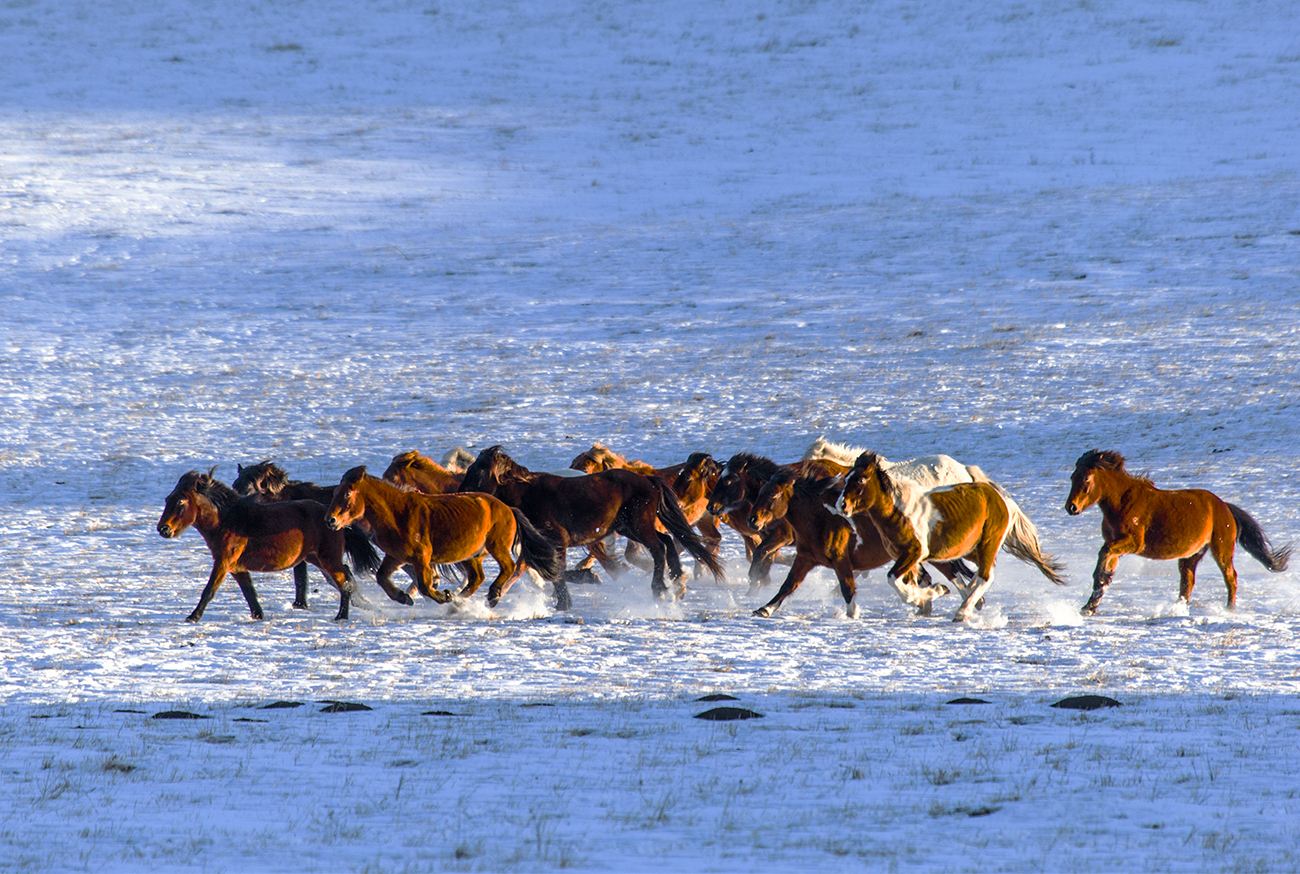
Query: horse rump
[540, 552]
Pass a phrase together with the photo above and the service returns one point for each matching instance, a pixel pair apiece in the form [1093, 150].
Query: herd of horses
[839, 507]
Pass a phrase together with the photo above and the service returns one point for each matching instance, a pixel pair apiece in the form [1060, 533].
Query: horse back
[1176, 523]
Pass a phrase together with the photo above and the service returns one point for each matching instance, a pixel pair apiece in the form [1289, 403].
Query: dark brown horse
[271, 482]
[583, 510]
[244, 534]
[1139, 519]
[421, 530]
[732, 500]
[823, 538]
[691, 481]
[419, 472]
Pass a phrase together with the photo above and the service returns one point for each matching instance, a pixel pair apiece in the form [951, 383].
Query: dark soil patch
[439, 713]
[1086, 702]
[969, 701]
[281, 705]
[344, 707]
[718, 696]
[178, 714]
[727, 714]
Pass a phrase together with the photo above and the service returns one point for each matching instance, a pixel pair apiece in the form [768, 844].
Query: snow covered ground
[328, 234]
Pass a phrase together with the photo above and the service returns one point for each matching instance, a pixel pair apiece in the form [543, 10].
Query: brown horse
[825, 539]
[246, 535]
[271, 482]
[732, 500]
[1139, 519]
[421, 530]
[942, 524]
[416, 471]
[691, 481]
[583, 510]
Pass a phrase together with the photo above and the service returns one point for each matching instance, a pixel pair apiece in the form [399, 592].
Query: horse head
[263, 478]
[773, 500]
[594, 460]
[182, 506]
[1084, 489]
[490, 470]
[399, 468]
[701, 468]
[347, 505]
[866, 485]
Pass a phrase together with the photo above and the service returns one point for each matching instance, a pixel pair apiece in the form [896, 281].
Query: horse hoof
[258, 615]
[193, 617]
[493, 602]
[300, 605]
[763, 612]
[852, 611]
[405, 599]
[1088, 610]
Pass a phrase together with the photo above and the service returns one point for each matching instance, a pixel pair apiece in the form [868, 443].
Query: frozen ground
[1010, 233]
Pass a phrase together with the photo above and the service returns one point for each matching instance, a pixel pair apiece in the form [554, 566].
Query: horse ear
[212, 472]
[239, 468]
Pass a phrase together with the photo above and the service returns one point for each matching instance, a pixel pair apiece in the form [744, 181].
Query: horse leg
[1187, 575]
[675, 570]
[848, 587]
[760, 565]
[219, 569]
[245, 580]
[384, 576]
[1222, 544]
[424, 579]
[300, 586]
[475, 576]
[633, 555]
[1107, 558]
[802, 565]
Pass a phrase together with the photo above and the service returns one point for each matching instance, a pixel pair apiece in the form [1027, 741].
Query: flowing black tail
[1253, 540]
[540, 552]
[361, 552]
[674, 520]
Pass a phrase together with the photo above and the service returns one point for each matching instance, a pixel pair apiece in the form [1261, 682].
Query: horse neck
[892, 510]
[207, 515]
[381, 501]
[1116, 487]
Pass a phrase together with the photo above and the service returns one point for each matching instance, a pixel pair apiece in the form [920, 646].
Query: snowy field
[328, 234]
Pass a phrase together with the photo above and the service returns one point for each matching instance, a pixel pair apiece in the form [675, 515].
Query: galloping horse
[271, 482]
[246, 535]
[942, 524]
[416, 471]
[420, 530]
[1139, 519]
[691, 481]
[822, 538]
[583, 510]
[732, 500]
[932, 471]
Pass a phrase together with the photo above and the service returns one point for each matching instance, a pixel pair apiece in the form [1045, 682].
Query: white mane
[927, 471]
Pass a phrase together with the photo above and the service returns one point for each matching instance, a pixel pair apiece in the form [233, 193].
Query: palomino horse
[271, 482]
[458, 460]
[950, 522]
[416, 471]
[246, 535]
[732, 500]
[1139, 519]
[691, 481]
[421, 530]
[823, 538]
[583, 510]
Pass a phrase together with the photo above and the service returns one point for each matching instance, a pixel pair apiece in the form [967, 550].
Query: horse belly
[1178, 532]
[272, 555]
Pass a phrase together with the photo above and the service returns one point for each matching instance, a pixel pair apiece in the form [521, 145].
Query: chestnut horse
[1139, 519]
[823, 538]
[244, 534]
[271, 482]
[691, 481]
[421, 530]
[949, 522]
[416, 471]
[583, 510]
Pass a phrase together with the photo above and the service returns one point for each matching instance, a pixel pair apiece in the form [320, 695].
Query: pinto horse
[824, 539]
[1139, 519]
[416, 471]
[950, 522]
[419, 530]
[583, 510]
[244, 534]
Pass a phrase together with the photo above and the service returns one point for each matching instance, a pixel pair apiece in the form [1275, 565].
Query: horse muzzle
[332, 523]
[1072, 508]
[166, 531]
